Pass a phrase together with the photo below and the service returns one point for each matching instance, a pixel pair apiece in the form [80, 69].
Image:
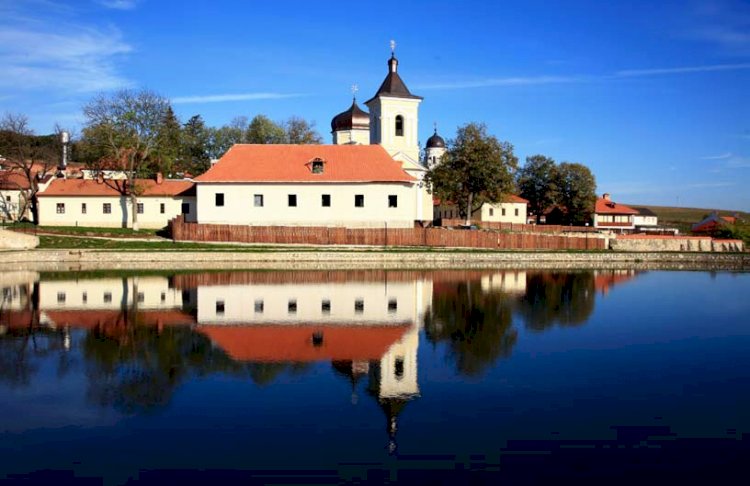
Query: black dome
[353, 118]
[435, 141]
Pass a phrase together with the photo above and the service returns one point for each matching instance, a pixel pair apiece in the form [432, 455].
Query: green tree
[576, 192]
[536, 182]
[169, 146]
[196, 139]
[476, 168]
[300, 131]
[123, 129]
[263, 130]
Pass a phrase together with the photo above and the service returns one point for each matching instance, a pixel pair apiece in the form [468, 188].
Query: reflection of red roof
[92, 187]
[606, 206]
[88, 319]
[295, 343]
[293, 163]
[604, 281]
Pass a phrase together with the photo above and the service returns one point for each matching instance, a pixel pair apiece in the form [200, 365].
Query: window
[139, 208]
[317, 166]
[60, 208]
[162, 208]
[392, 201]
[84, 297]
[492, 212]
[219, 307]
[61, 297]
[107, 297]
[292, 199]
[259, 306]
[398, 368]
[359, 306]
[516, 211]
[392, 305]
[325, 200]
[291, 307]
[83, 208]
[219, 197]
[163, 297]
[185, 208]
[503, 211]
[399, 126]
[325, 306]
[107, 208]
[141, 297]
[258, 200]
[7, 198]
[359, 200]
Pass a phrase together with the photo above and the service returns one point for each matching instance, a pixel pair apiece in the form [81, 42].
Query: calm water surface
[400, 376]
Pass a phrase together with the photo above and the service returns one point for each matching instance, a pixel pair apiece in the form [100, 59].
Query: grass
[84, 231]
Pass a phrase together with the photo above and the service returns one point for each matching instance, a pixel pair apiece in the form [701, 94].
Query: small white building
[645, 217]
[512, 210]
[107, 203]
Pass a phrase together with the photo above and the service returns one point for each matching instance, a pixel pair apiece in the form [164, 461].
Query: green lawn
[84, 231]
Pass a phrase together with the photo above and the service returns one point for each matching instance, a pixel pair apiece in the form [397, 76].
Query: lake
[321, 377]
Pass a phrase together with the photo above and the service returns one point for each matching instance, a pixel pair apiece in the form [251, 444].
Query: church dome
[435, 141]
[353, 118]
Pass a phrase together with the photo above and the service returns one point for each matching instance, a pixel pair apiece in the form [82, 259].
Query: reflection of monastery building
[510, 282]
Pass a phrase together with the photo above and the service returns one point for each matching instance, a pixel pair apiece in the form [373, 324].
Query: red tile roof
[293, 163]
[13, 181]
[606, 206]
[294, 343]
[91, 187]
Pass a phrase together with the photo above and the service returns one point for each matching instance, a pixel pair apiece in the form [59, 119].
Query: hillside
[684, 218]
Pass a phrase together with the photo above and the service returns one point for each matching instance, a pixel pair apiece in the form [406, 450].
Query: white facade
[645, 220]
[384, 114]
[113, 211]
[507, 212]
[355, 136]
[149, 293]
[240, 204]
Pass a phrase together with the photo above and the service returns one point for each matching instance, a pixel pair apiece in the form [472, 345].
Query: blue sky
[653, 96]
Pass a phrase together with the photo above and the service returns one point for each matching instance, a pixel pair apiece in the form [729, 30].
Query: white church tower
[394, 116]
[434, 150]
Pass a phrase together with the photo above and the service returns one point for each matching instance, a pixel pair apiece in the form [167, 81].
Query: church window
[317, 166]
[61, 297]
[392, 201]
[325, 306]
[392, 305]
[359, 306]
[219, 199]
[325, 200]
[220, 307]
[83, 208]
[359, 200]
[398, 368]
[107, 297]
[162, 208]
[503, 211]
[492, 212]
[139, 208]
[259, 306]
[60, 208]
[258, 200]
[292, 306]
[292, 199]
[516, 211]
[399, 126]
[107, 208]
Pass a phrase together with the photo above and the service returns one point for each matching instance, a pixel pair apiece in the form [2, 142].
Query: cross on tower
[393, 46]
[354, 88]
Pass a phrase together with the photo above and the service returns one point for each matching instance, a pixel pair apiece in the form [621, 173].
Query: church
[369, 177]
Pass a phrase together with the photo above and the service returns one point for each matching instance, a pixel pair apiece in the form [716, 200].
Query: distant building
[512, 210]
[612, 216]
[712, 223]
[645, 217]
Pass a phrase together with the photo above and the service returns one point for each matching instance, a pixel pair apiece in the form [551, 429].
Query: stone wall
[10, 240]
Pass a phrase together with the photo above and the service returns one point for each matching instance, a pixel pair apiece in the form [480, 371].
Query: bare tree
[123, 129]
[28, 158]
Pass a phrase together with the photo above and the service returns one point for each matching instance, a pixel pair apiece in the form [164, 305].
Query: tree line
[477, 168]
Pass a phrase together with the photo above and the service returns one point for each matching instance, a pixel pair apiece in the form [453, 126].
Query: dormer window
[399, 126]
[317, 166]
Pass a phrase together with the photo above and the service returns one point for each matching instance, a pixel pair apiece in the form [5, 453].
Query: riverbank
[311, 258]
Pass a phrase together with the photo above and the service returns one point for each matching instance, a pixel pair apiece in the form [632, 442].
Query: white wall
[354, 136]
[239, 205]
[639, 220]
[121, 211]
[514, 213]
[383, 113]
[108, 294]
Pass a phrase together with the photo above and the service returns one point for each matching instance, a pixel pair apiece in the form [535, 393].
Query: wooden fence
[428, 237]
[536, 228]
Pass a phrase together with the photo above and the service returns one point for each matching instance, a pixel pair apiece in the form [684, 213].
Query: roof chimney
[605, 196]
[159, 178]
[99, 178]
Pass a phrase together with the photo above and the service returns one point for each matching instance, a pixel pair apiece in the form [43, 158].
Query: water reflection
[138, 338]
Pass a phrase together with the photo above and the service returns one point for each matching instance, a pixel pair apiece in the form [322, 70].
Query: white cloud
[40, 56]
[738, 162]
[681, 70]
[119, 4]
[717, 157]
[221, 98]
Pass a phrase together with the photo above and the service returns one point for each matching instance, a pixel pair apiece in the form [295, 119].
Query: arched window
[399, 126]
